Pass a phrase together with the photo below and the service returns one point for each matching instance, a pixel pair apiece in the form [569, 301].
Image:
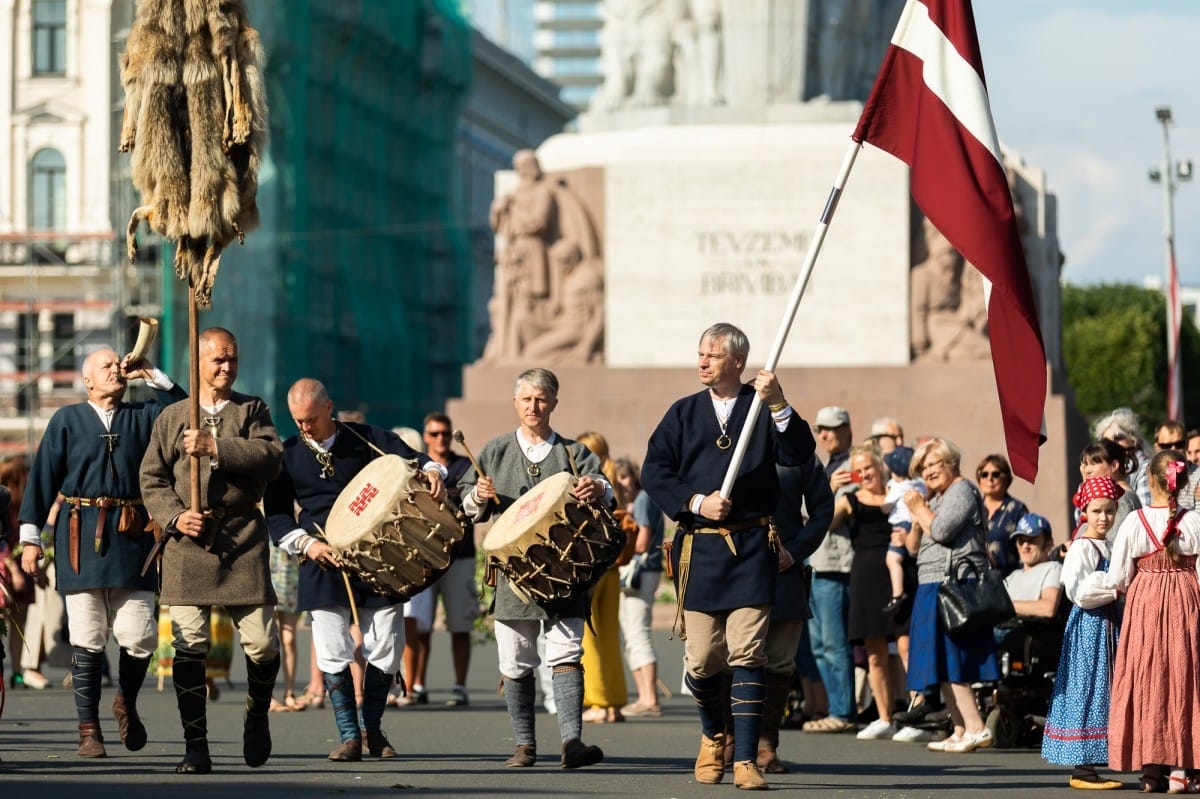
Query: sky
[1074, 85]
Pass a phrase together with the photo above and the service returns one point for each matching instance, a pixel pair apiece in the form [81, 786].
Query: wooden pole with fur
[195, 125]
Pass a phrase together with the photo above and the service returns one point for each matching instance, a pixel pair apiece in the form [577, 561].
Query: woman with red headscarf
[1154, 718]
[1077, 724]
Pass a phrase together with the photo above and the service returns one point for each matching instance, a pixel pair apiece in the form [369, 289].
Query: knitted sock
[518, 695]
[341, 698]
[131, 673]
[707, 694]
[85, 677]
[748, 695]
[375, 693]
[568, 699]
[187, 673]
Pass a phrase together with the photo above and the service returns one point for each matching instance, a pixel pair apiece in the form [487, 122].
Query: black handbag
[969, 600]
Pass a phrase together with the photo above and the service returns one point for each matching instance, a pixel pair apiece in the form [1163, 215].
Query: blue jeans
[830, 605]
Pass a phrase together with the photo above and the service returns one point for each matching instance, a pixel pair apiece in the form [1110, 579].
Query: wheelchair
[1027, 652]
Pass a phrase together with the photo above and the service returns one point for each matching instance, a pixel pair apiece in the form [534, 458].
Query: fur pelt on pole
[195, 122]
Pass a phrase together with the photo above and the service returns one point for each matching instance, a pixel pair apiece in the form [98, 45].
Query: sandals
[295, 703]
[314, 698]
[638, 709]
[595, 715]
[829, 724]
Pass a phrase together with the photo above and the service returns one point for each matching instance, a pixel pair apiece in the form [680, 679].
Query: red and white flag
[1174, 322]
[929, 108]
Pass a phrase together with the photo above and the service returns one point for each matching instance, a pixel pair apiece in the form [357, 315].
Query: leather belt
[103, 503]
[685, 556]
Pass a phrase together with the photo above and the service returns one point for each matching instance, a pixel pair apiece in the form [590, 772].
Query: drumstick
[345, 579]
[461, 439]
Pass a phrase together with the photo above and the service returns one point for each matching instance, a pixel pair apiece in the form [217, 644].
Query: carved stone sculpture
[549, 274]
[949, 313]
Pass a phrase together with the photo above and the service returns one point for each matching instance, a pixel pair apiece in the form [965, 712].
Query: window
[48, 191]
[49, 37]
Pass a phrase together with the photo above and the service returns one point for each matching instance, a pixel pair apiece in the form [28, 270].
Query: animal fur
[195, 122]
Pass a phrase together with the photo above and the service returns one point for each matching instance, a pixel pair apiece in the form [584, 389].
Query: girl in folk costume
[1077, 725]
[1154, 717]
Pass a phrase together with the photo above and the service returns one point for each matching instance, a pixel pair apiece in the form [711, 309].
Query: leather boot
[129, 724]
[256, 731]
[779, 686]
[349, 752]
[188, 674]
[91, 742]
[747, 777]
[131, 673]
[710, 763]
[524, 757]
[577, 754]
[379, 746]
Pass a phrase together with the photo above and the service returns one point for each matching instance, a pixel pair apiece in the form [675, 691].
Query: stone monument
[702, 169]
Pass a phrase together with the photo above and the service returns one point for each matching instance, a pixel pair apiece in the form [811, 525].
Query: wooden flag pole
[810, 259]
[194, 387]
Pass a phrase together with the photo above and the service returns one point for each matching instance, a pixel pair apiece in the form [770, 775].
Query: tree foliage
[1115, 352]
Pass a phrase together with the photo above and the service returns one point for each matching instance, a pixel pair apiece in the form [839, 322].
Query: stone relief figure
[698, 34]
[543, 234]
[839, 31]
[637, 53]
[949, 312]
[574, 333]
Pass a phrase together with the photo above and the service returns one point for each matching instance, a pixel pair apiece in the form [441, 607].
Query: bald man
[219, 554]
[88, 461]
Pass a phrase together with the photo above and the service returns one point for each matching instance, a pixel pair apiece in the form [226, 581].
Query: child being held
[1077, 724]
[901, 520]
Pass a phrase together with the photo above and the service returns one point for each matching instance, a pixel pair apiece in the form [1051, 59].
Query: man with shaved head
[88, 462]
[217, 554]
[318, 463]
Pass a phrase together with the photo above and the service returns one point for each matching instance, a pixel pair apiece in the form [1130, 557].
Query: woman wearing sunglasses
[994, 476]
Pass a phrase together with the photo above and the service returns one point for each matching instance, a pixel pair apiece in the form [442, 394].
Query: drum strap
[685, 557]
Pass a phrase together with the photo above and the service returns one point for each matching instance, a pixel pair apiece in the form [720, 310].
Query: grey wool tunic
[229, 564]
[502, 460]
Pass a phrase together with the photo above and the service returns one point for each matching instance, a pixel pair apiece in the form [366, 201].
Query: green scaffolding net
[360, 275]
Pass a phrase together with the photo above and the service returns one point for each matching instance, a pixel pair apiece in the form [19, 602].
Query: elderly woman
[994, 477]
[951, 523]
[865, 518]
[1123, 427]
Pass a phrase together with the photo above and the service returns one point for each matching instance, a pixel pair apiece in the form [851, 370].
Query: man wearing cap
[1035, 587]
[829, 599]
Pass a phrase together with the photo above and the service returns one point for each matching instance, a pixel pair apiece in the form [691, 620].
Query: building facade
[63, 292]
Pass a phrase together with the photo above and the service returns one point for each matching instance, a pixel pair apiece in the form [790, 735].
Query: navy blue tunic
[300, 482]
[74, 460]
[682, 459]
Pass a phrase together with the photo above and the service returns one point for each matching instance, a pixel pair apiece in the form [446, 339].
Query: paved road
[451, 752]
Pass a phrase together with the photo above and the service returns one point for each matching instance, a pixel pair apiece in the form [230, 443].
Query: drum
[550, 544]
[387, 529]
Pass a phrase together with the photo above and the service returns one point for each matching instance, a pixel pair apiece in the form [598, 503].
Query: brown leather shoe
[728, 752]
[770, 763]
[747, 777]
[577, 754]
[379, 746]
[524, 757]
[129, 724]
[710, 763]
[91, 742]
[349, 752]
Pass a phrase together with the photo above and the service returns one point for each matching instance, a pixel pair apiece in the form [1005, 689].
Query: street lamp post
[1168, 175]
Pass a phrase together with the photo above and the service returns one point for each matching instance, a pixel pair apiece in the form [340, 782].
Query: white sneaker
[877, 730]
[912, 735]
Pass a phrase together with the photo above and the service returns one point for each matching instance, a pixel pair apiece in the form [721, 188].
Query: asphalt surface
[459, 752]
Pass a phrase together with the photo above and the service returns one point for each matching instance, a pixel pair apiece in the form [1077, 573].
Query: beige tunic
[229, 564]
